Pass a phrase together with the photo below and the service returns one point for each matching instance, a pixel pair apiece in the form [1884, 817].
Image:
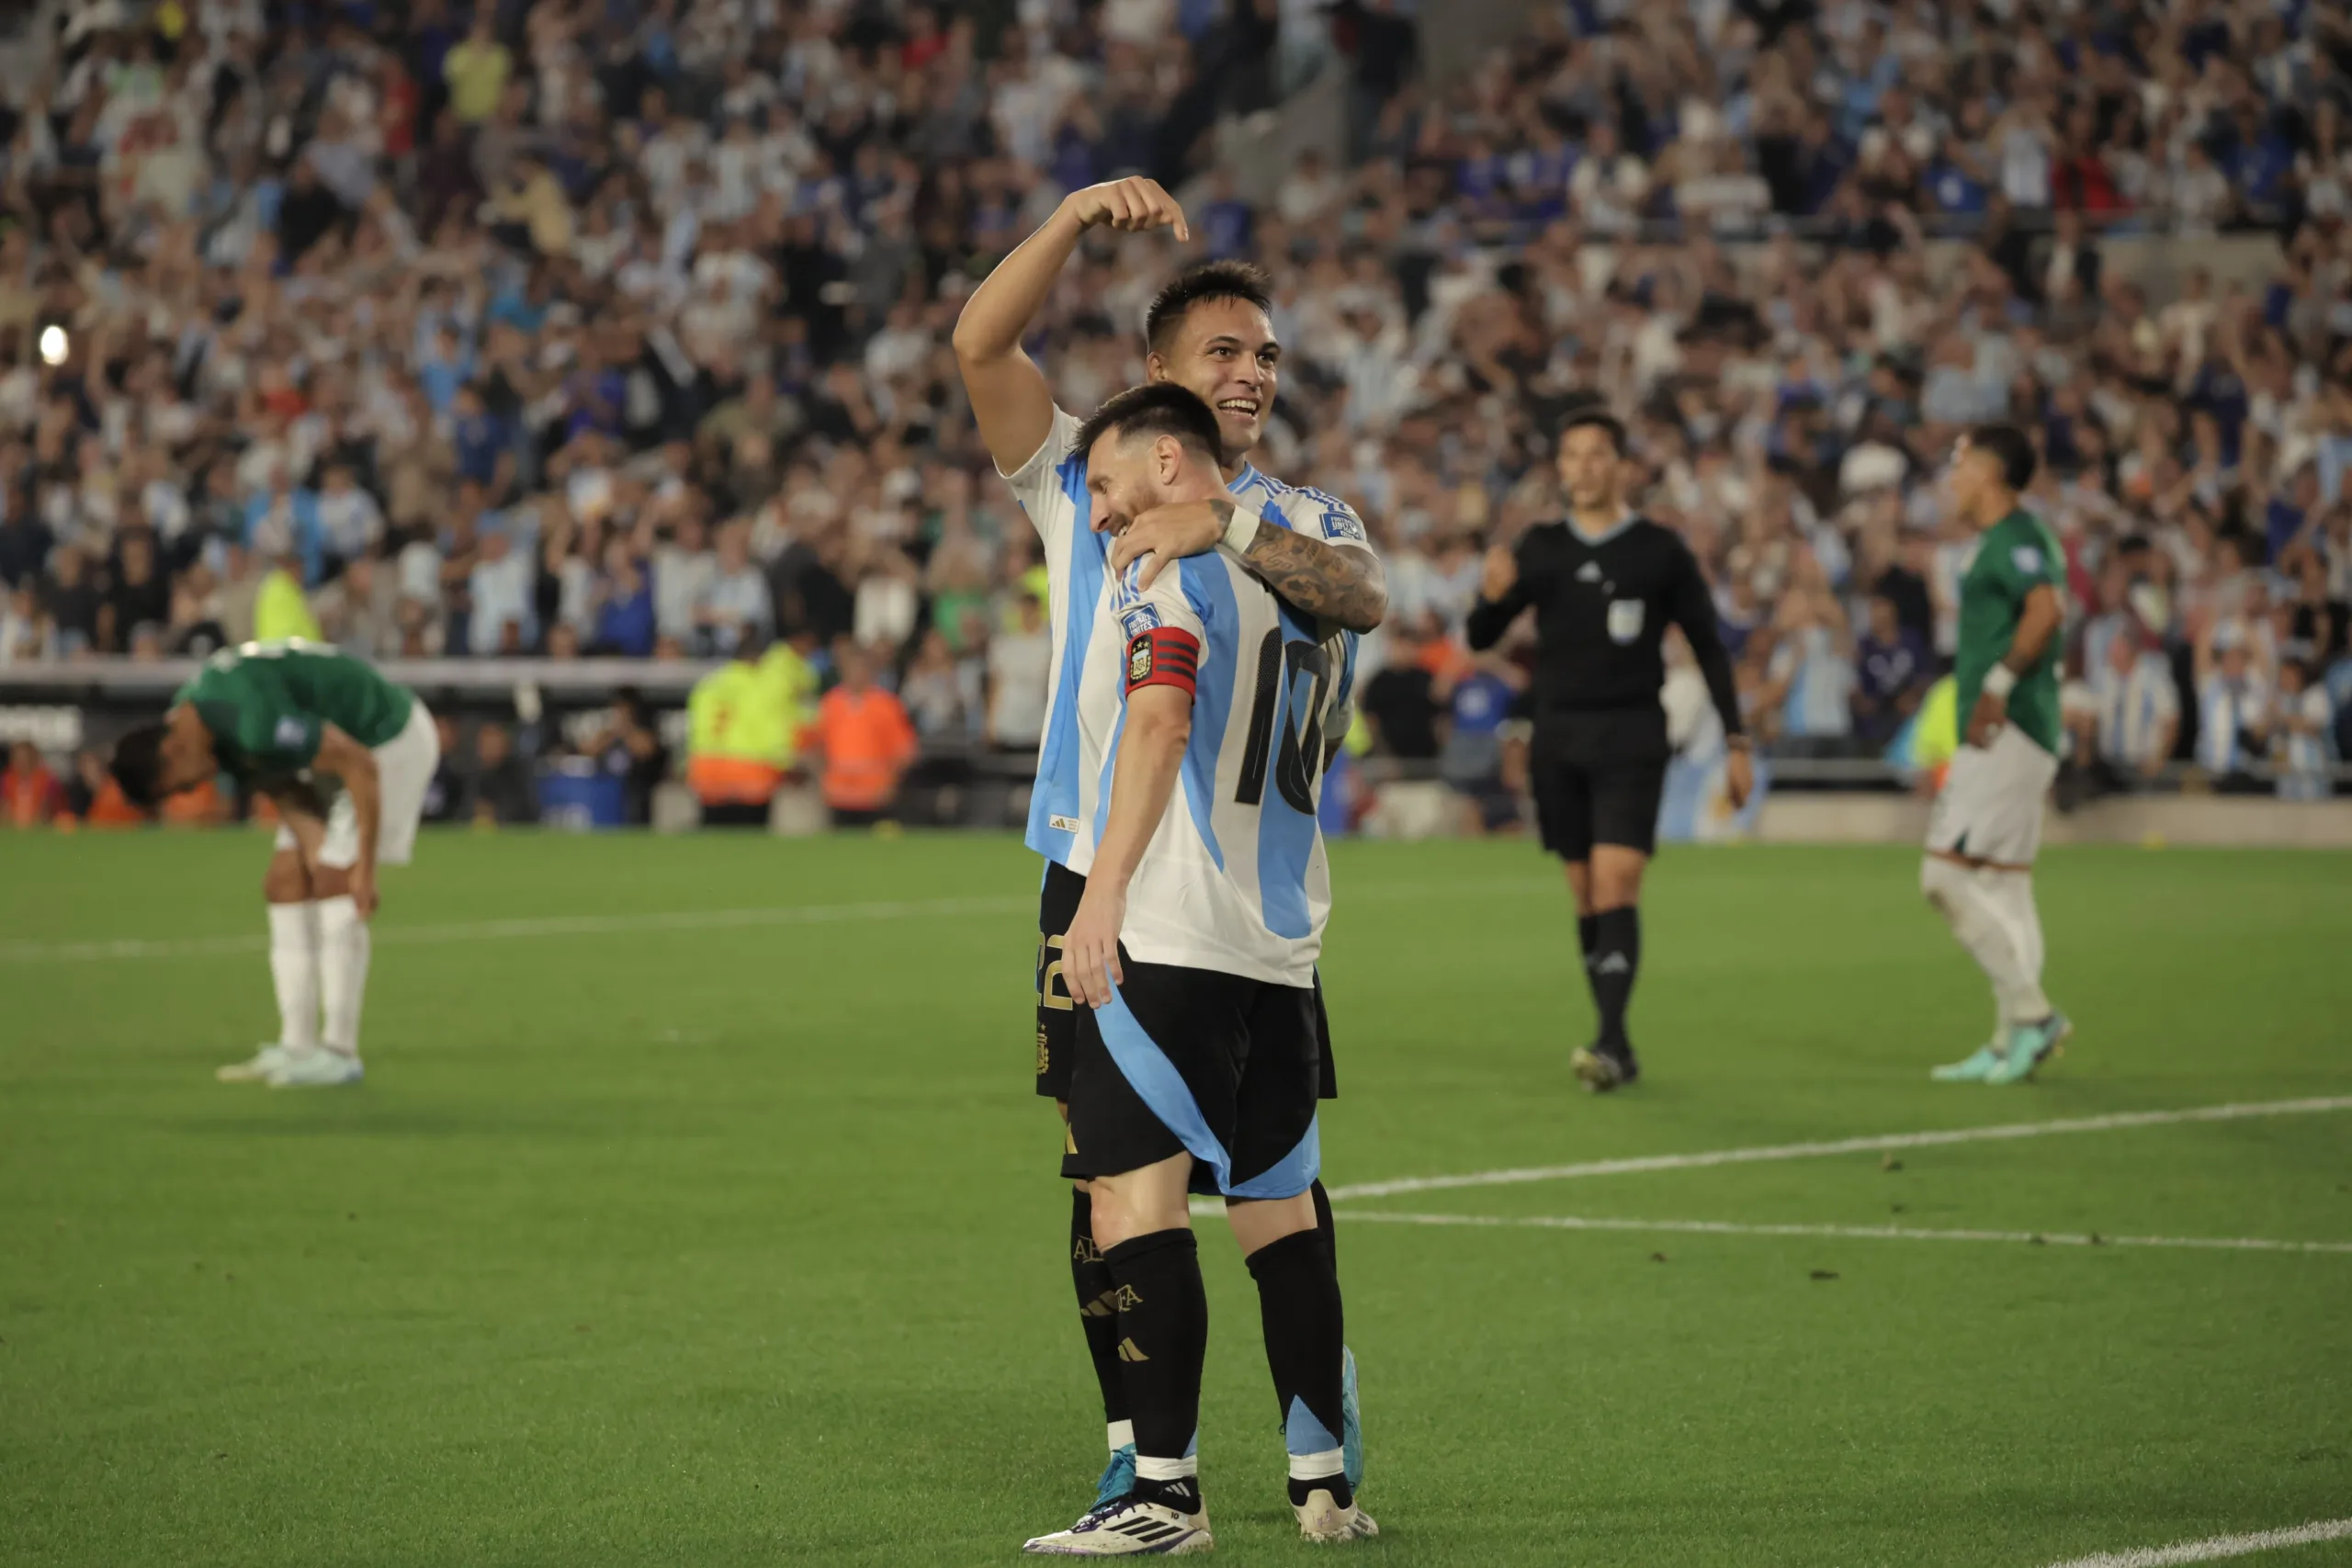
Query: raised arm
[1009, 395]
[1502, 594]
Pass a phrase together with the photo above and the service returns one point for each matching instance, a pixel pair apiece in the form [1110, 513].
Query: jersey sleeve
[1319, 514]
[1158, 629]
[1037, 484]
[2023, 560]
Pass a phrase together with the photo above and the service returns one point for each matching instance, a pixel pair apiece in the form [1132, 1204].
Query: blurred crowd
[620, 327]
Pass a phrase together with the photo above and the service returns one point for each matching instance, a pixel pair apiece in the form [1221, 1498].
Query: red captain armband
[1164, 656]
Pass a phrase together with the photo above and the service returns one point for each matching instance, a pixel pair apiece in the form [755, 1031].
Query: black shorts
[1596, 779]
[1057, 1016]
[1192, 1059]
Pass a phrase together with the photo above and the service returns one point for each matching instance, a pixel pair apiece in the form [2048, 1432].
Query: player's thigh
[404, 768]
[1056, 1014]
[1626, 796]
[1275, 1147]
[1991, 804]
[1562, 787]
[1159, 1073]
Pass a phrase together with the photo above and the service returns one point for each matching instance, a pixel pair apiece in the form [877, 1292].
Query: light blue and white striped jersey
[1051, 487]
[1234, 880]
[2133, 708]
[2228, 712]
[2303, 758]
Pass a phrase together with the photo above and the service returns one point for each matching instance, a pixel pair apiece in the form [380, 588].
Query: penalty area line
[1840, 1233]
[1872, 1144]
[2214, 1549]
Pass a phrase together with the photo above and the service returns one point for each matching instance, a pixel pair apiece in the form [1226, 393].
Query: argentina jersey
[1051, 487]
[1235, 878]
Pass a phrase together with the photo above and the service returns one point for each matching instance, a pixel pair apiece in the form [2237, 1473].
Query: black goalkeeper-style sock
[1323, 1223]
[1098, 1307]
[1163, 1340]
[1299, 1300]
[1616, 959]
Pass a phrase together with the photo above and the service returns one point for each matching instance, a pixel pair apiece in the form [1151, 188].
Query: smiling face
[1128, 475]
[1224, 352]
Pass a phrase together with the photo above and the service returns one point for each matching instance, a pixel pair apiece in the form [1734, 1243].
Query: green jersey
[2017, 555]
[267, 703]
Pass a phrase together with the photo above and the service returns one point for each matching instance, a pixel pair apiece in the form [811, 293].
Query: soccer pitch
[697, 1211]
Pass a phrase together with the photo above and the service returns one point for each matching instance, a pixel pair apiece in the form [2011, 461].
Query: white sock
[2012, 895]
[1121, 1433]
[343, 971]
[1969, 906]
[294, 971]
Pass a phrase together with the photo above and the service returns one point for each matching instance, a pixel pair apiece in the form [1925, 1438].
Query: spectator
[732, 607]
[2125, 717]
[30, 795]
[941, 699]
[2233, 706]
[499, 789]
[865, 742]
[630, 747]
[2303, 723]
[1892, 672]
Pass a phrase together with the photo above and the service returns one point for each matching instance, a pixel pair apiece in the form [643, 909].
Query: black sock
[1588, 934]
[1331, 1232]
[1163, 1340]
[1616, 959]
[1298, 1299]
[1098, 1306]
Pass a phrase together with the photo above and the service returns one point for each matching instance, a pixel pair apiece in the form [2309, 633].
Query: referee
[1604, 585]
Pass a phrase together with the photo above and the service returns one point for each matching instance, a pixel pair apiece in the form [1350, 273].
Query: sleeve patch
[291, 734]
[1340, 522]
[1140, 619]
[1165, 656]
[2026, 558]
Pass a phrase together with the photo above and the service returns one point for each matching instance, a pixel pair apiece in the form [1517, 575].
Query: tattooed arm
[1340, 583]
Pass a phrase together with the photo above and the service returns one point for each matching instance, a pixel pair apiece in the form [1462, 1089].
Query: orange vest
[868, 741]
[29, 799]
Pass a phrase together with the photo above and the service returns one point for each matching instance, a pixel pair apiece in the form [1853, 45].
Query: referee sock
[1298, 1300]
[1616, 959]
[1098, 1314]
[1163, 1340]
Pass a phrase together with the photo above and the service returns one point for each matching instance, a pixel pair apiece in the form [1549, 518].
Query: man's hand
[362, 883]
[1501, 574]
[1739, 776]
[1091, 948]
[1985, 722]
[1131, 206]
[1170, 533]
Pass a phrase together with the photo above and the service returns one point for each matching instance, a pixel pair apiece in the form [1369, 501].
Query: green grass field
[665, 1235]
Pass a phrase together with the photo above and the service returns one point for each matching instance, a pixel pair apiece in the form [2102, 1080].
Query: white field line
[1843, 1233]
[1872, 1144]
[662, 920]
[2214, 1548]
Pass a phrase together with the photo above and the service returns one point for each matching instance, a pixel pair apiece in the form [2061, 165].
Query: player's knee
[1938, 876]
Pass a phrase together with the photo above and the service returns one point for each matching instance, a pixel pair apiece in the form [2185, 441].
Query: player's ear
[1167, 459]
[1154, 367]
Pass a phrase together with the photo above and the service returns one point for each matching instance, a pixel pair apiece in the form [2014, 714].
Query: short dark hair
[1199, 285]
[1156, 408]
[2009, 443]
[1596, 419]
[137, 765]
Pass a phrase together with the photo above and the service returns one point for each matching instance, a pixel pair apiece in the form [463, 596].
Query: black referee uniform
[1597, 762]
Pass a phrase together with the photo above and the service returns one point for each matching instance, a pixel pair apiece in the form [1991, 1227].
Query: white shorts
[1991, 805]
[404, 768]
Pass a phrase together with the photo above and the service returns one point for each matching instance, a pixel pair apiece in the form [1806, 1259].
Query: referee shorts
[1058, 1014]
[1596, 778]
[1225, 1067]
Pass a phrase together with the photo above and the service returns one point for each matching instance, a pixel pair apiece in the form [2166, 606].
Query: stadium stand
[616, 328]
